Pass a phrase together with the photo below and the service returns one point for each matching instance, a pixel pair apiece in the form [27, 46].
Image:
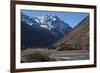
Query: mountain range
[41, 31]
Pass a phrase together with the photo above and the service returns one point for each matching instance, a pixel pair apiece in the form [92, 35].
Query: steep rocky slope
[77, 38]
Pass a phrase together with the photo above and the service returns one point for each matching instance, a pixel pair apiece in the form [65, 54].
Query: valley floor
[43, 55]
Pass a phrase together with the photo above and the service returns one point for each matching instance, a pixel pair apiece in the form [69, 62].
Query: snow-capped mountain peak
[49, 27]
[47, 18]
[48, 22]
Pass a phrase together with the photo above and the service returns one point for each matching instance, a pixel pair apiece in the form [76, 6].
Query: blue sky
[71, 18]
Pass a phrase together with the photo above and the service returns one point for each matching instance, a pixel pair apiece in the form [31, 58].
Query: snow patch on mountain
[30, 24]
[49, 24]
[42, 18]
[37, 20]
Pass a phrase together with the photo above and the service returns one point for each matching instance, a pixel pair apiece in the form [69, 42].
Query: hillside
[77, 38]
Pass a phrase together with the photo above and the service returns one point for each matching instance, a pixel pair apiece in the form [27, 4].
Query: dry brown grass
[35, 55]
